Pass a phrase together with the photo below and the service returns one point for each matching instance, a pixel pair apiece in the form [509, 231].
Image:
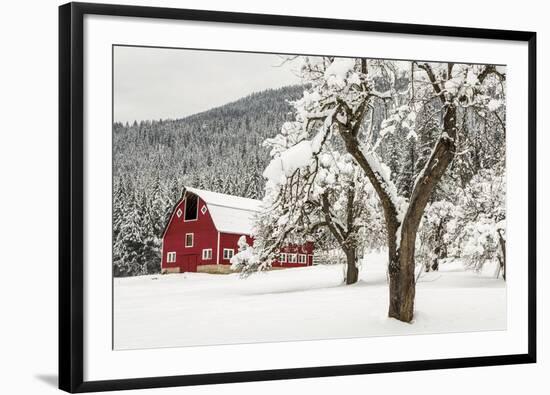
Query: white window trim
[283, 257]
[228, 249]
[192, 240]
[292, 258]
[169, 255]
[207, 258]
[304, 257]
[185, 210]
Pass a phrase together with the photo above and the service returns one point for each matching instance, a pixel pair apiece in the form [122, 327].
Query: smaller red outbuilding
[204, 229]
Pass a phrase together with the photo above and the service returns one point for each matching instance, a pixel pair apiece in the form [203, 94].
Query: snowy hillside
[217, 150]
[298, 304]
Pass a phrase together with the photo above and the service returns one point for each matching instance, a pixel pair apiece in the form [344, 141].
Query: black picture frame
[71, 181]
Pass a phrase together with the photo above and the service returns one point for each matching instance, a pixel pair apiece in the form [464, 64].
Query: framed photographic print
[251, 197]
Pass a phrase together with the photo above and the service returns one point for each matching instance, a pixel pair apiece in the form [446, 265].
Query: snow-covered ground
[297, 304]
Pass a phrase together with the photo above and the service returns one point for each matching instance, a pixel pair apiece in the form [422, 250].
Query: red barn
[204, 229]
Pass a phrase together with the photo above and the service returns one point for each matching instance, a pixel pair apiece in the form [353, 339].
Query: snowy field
[298, 304]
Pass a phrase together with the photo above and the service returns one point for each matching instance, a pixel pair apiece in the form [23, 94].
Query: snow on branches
[245, 258]
[484, 219]
[380, 123]
[469, 225]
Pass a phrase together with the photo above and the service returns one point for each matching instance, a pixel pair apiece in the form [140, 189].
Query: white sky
[154, 83]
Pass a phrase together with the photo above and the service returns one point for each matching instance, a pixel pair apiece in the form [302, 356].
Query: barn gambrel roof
[231, 214]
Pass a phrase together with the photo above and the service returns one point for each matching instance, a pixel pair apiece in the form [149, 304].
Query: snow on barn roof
[231, 214]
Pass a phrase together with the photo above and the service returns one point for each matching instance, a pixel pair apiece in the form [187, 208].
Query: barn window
[179, 212]
[203, 209]
[207, 254]
[292, 258]
[189, 239]
[282, 258]
[302, 258]
[228, 253]
[191, 208]
[171, 257]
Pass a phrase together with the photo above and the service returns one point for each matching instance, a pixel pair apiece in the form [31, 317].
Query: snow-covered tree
[436, 233]
[342, 92]
[245, 256]
[482, 236]
[327, 193]
[128, 244]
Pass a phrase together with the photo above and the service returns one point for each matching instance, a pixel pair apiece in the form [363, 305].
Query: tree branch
[488, 70]
[433, 80]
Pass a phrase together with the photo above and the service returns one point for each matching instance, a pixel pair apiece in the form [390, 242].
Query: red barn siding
[306, 249]
[204, 235]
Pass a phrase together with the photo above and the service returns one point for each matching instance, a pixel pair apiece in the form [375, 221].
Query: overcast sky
[154, 83]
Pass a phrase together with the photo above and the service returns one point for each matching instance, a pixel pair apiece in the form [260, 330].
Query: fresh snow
[339, 71]
[288, 162]
[298, 156]
[384, 173]
[298, 304]
[412, 135]
[245, 255]
[222, 199]
[494, 104]
[233, 220]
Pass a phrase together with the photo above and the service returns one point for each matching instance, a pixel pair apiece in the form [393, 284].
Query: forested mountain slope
[219, 149]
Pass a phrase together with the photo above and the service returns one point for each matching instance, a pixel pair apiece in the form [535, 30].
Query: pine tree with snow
[119, 201]
[129, 242]
[150, 250]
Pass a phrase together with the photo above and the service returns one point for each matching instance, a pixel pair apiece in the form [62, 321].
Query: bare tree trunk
[344, 237]
[440, 249]
[391, 219]
[502, 243]
[401, 258]
[394, 273]
[352, 271]
[403, 308]
[435, 264]
[401, 263]
[402, 292]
